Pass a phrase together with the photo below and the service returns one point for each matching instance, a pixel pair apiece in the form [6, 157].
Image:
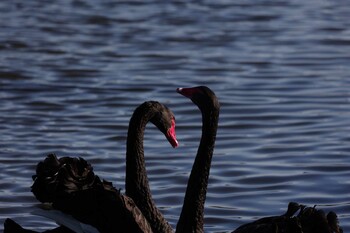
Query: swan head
[201, 96]
[164, 119]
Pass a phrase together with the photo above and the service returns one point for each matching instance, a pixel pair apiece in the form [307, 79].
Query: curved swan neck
[192, 215]
[136, 181]
[136, 177]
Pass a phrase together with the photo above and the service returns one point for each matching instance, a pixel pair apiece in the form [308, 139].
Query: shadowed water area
[72, 72]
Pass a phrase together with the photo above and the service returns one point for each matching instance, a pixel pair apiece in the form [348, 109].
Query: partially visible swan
[307, 220]
[72, 187]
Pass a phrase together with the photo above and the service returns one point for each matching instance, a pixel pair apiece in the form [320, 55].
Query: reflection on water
[72, 72]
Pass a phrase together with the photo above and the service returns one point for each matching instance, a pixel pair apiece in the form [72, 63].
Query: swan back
[72, 187]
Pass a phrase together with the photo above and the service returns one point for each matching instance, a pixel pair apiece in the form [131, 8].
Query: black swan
[309, 220]
[72, 187]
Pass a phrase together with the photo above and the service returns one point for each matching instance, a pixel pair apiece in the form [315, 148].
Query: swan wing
[66, 220]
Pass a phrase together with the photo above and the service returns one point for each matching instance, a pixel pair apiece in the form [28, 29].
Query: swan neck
[136, 180]
[192, 215]
[136, 176]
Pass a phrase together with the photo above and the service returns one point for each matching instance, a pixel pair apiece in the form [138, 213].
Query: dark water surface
[72, 72]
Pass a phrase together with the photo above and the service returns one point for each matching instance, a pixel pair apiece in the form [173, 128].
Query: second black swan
[308, 220]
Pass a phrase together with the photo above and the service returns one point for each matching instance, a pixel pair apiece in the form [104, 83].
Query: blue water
[72, 72]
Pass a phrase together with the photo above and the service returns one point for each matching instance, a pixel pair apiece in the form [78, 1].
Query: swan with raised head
[308, 220]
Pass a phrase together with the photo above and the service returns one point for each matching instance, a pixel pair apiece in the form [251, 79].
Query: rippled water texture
[72, 72]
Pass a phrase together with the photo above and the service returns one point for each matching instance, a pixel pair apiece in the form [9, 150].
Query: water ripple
[72, 72]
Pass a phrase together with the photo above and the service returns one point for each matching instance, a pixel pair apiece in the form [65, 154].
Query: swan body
[72, 187]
